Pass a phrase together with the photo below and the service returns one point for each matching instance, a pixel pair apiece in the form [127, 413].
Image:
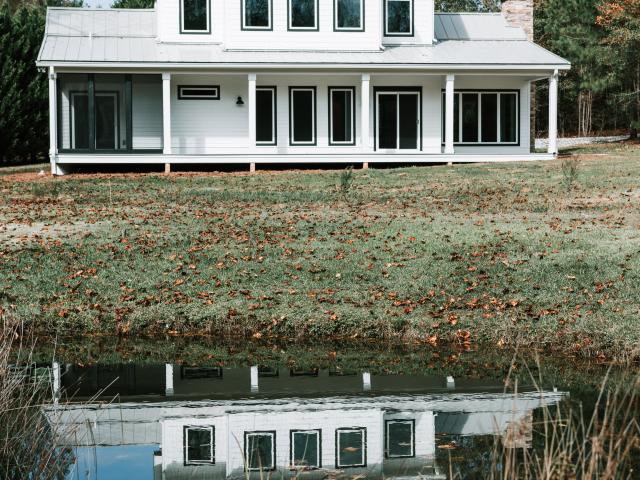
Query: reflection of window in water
[313, 372]
[260, 450]
[305, 449]
[199, 445]
[351, 447]
[268, 372]
[399, 438]
[193, 373]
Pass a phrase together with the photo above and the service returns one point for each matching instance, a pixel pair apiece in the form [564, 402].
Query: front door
[398, 120]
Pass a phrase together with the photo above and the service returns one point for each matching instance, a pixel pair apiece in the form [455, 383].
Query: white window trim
[252, 27]
[292, 140]
[310, 29]
[215, 96]
[418, 124]
[413, 444]
[499, 141]
[274, 140]
[293, 453]
[203, 32]
[348, 29]
[387, 32]
[363, 456]
[272, 465]
[211, 429]
[351, 92]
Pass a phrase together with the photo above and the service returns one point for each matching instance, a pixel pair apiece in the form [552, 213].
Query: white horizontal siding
[146, 113]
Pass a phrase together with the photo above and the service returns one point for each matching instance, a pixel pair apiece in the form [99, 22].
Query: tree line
[601, 38]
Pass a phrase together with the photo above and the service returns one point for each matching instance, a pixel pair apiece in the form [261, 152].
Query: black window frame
[386, 32]
[480, 143]
[182, 96]
[336, 28]
[304, 29]
[243, 18]
[363, 430]
[185, 433]
[409, 421]
[195, 32]
[292, 464]
[330, 91]
[402, 89]
[292, 143]
[272, 433]
[274, 113]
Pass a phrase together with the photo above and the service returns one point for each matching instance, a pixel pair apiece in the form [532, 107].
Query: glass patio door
[398, 120]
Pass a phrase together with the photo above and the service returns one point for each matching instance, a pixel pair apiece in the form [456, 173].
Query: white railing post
[449, 103]
[166, 118]
[553, 114]
[53, 120]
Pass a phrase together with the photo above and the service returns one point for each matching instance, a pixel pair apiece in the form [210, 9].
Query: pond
[206, 410]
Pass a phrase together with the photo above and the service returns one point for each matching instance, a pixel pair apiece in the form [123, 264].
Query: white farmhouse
[293, 81]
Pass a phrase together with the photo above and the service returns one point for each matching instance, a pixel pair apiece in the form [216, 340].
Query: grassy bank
[502, 254]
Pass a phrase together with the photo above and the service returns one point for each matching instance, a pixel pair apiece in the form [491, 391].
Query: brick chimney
[519, 13]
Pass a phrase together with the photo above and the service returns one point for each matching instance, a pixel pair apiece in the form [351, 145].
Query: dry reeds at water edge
[571, 441]
[27, 439]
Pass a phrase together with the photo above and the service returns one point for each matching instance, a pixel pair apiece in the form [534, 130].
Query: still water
[176, 421]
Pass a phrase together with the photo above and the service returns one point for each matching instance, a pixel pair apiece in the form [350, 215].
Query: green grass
[505, 252]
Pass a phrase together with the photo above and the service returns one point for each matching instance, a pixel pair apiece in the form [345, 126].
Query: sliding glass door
[398, 120]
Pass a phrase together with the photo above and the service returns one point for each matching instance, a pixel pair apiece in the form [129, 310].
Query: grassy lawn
[501, 254]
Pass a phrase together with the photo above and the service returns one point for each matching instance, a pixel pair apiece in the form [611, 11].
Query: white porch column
[366, 381]
[53, 121]
[365, 138]
[56, 381]
[168, 379]
[166, 115]
[553, 113]
[253, 373]
[251, 104]
[449, 90]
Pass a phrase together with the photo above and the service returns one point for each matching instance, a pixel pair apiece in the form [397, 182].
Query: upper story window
[199, 445]
[398, 20]
[256, 14]
[303, 15]
[348, 15]
[351, 445]
[195, 16]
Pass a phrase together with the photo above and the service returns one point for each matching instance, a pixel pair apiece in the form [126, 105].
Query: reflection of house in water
[215, 422]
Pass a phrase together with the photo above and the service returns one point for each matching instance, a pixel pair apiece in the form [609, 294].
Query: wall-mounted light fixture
[239, 101]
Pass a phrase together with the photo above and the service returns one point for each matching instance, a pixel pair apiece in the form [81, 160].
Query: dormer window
[398, 20]
[256, 14]
[303, 15]
[348, 15]
[195, 16]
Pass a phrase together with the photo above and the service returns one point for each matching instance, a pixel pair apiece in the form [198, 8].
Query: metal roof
[121, 38]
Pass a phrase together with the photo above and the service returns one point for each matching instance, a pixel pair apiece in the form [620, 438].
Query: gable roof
[111, 37]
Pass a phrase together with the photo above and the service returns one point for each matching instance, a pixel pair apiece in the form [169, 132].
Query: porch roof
[127, 38]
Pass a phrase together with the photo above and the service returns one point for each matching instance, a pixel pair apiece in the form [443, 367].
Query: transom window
[195, 16]
[302, 116]
[305, 449]
[348, 15]
[303, 14]
[351, 446]
[256, 14]
[399, 438]
[484, 117]
[199, 445]
[398, 18]
[266, 134]
[198, 92]
[341, 115]
[260, 450]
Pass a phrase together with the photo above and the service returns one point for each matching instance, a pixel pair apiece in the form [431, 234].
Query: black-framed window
[257, 15]
[400, 438]
[351, 447]
[303, 14]
[348, 15]
[195, 16]
[260, 450]
[398, 18]
[197, 373]
[342, 119]
[266, 116]
[302, 115]
[306, 449]
[484, 117]
[199, 445]
[198, 92]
